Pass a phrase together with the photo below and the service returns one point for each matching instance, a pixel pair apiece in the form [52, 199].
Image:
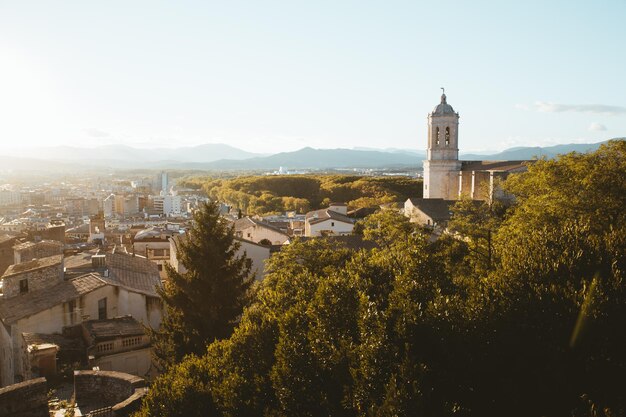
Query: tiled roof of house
[64, 343]
[43, 243]
[6, 238]
[437, 209]
[113, 328]
[25, 305]
[246, 222]
[32, 265]
[318, 216]
[81, 229]
[133, 273]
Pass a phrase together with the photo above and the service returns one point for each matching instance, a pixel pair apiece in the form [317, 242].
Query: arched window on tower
[437, 137]
[447, 136]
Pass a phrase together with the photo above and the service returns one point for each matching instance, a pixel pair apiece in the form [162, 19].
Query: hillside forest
[272, 194]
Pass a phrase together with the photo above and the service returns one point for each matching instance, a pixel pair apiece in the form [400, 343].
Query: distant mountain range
[226, 157]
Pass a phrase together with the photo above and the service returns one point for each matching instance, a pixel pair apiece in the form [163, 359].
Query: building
[118, 344]
[161, 182]
[6, 251]
[168, 205]
[257, 253]
[27, 251]
[448, 178]
[331, 221]
[256, 231]
[46, 296]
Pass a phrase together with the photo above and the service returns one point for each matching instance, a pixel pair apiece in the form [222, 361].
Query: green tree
[204, 303]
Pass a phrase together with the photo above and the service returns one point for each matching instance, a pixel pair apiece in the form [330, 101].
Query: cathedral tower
[441, 169]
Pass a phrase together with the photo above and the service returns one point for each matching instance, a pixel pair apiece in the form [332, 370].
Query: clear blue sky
[268, 76]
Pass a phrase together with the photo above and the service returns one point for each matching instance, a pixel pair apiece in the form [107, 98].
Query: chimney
[98, 261]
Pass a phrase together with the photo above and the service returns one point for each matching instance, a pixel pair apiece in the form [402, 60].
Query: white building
[169, 205]
[108, 206]
[331, 221]
[256, 231]
[258, 254]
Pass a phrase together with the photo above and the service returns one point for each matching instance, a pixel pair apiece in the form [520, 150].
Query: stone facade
[26, 399]
[122, 392]
[33, 275]
[28, 251]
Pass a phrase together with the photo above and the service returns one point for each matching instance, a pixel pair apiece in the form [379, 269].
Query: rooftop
[497, 166]
[33, 265]
[16, 308]
[437, 209]
[113, 328]
[318, 216]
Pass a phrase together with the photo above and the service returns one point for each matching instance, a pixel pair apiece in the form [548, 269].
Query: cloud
[547, 107]
[522, 106]
[596, 127]
[96, 133]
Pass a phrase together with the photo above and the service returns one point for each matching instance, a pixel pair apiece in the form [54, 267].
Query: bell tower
[441, 169]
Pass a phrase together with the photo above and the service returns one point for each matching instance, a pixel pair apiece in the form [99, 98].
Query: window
[160, 267]
[24, 286]
[71, 305]
[447, 136]
[437, 137]
[332, 224]
[102, 309]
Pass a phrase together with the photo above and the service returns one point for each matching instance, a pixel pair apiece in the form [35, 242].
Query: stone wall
[26, 399]
[123, 392]
[37, 279]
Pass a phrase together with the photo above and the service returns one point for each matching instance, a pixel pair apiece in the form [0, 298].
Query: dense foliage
[203, 303]
[424, 327]
[268, 194]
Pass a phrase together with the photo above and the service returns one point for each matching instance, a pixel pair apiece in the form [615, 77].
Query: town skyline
[277, 77]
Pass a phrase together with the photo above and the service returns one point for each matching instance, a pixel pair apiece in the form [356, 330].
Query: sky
[270, 76]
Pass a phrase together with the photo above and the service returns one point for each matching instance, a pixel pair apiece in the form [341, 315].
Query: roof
[437, 209]
[443, 108]
[246, 222]
[134, 273]
[64, 343]
[6, 238]
[153, 233]
[83, 228]
[33, 265]
[16, 308]
[362, 212]
[498, 166]
[29, 244]
[318, 216]
[113, 328]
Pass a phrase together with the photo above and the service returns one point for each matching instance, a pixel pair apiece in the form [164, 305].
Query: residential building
[256, 231]
[330, 221]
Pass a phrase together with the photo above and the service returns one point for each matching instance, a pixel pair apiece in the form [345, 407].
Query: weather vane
[443, 89]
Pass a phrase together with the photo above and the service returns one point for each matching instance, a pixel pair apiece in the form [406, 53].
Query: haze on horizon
[278, 76]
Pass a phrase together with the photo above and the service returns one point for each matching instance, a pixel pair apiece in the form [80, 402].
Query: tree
[204, 303]
[476, 223]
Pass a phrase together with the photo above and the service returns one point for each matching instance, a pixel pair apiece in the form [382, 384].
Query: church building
[446, 178]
